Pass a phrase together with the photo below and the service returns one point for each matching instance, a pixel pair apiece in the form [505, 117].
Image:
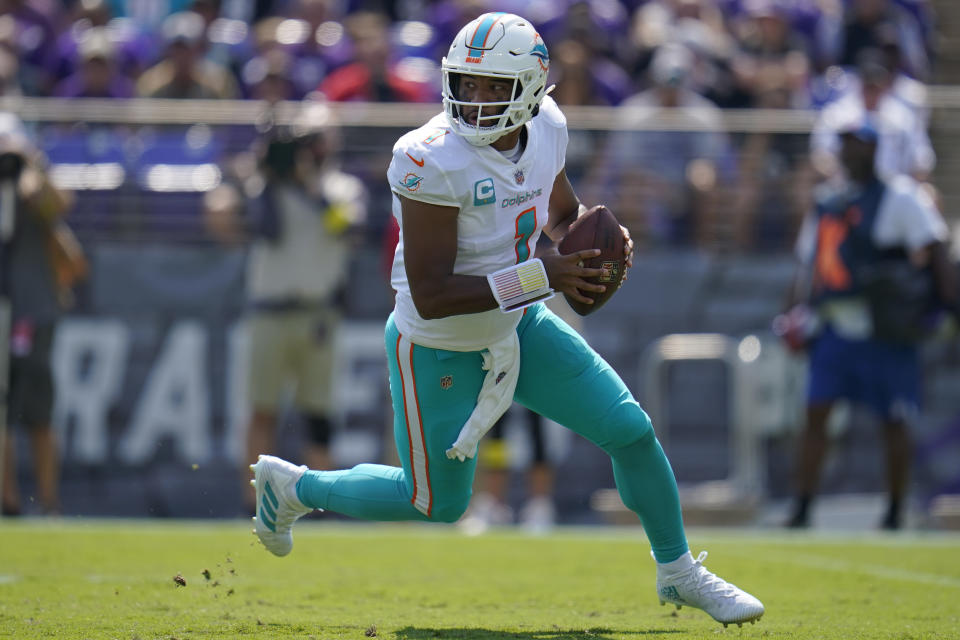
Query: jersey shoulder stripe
[434, 143]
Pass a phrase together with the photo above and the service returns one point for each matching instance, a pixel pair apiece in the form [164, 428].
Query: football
[597, 229]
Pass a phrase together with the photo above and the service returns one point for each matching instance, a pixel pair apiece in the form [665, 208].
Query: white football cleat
[277, 504]
[485, 511]
[538, 516]
[687, 582]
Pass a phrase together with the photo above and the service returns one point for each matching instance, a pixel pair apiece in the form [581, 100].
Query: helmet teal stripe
[479, 40]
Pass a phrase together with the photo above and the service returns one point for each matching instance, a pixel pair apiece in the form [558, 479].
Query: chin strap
[536, 109]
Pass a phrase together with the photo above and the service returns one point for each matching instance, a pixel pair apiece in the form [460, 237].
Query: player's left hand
[568, 276]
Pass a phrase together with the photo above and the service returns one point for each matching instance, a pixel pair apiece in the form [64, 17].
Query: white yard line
[875, 570]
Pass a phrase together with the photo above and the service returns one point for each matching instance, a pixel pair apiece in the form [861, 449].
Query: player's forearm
[555, 230]
[453, 295]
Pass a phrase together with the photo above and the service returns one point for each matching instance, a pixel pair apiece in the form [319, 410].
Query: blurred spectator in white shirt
[697, 24]
[666, 177]
[903, 147]
[908, 90]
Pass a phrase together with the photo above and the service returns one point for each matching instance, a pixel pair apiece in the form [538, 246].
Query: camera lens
[11, 164]
[281, 157]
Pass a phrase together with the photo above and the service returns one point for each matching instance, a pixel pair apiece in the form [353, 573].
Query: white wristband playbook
[520, 285]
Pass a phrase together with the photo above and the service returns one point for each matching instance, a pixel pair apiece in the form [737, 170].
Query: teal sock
[367, 491]
[648, 487]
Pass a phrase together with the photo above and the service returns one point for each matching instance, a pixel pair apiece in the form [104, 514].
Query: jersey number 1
[526, 225]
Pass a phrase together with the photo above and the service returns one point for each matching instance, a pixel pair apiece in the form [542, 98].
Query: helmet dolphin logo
[540, 52]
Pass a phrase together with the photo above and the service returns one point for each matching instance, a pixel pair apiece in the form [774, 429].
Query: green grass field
[115, 579]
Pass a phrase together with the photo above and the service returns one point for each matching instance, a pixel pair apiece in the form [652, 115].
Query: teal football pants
[434, 392]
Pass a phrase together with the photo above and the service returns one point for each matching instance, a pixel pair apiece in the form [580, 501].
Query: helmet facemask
[516, 56]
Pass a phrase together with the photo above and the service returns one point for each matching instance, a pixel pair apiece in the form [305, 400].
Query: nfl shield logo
[518, 176]
[613, 271]
[446, 382]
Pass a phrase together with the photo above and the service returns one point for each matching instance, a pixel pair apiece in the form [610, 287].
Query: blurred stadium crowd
[697, 56]
[745, 53]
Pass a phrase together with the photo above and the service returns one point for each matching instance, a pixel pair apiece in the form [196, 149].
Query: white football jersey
[503, 208]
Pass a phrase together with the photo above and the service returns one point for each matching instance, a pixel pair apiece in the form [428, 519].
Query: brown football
[597, 229]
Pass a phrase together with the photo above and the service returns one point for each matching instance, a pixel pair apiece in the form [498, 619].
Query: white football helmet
[499, 45]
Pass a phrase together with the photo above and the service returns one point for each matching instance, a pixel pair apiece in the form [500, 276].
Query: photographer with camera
[40, 260]
[874, 281]
[299, 214]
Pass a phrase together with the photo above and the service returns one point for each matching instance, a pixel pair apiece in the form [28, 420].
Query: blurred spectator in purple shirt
[267, 77]
[27, 30]
[98, 76]
[326, 46]
[771, 68]
[312, 35]
[584, 79]
[857, 30]
[184, 72]
[373, 75]
[134, 49]
[9, 81]
[601, 25]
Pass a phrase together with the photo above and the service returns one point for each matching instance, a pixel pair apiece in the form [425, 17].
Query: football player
[473, 190]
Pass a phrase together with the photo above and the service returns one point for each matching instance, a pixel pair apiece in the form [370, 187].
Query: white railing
[381, 115]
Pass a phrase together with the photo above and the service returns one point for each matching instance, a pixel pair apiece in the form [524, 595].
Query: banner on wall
[150, 376]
